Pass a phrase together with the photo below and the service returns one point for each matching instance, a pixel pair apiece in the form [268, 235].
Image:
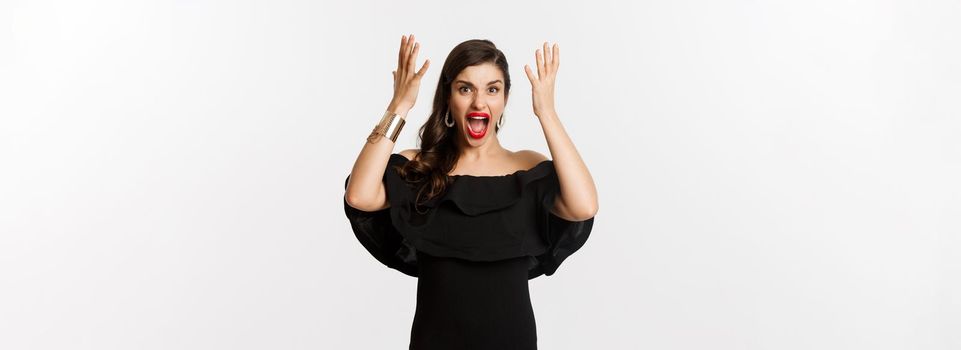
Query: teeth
[471, 127]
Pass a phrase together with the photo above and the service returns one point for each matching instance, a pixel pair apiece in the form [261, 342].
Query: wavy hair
[438, 147]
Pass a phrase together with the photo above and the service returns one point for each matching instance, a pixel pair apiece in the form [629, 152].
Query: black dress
[473, 250]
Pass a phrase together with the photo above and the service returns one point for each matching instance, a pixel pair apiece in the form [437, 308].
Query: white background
[771, 174]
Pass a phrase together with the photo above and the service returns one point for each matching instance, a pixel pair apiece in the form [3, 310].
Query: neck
[491, 148]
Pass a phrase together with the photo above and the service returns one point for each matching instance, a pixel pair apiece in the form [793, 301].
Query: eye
[493, 90]
[464, 89]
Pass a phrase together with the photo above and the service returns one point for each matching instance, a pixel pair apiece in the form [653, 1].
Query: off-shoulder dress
[473, 250]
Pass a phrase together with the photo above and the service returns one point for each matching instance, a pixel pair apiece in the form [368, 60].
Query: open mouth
[477, 124]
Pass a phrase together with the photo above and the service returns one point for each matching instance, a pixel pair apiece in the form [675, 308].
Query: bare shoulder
[529, 158]
[410, 153]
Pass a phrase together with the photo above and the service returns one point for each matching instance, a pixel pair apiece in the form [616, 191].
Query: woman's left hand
[542, 86]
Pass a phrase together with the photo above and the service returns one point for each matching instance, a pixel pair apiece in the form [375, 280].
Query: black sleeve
[563, 237]
[375, 230]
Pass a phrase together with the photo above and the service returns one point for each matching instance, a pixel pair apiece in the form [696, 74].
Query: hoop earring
[451, 124]
[500, 122]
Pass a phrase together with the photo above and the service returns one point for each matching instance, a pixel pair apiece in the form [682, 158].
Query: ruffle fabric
[479, 218]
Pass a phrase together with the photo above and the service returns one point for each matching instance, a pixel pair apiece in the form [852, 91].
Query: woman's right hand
[406, 80]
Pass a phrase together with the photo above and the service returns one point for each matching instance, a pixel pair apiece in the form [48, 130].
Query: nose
[479, 103]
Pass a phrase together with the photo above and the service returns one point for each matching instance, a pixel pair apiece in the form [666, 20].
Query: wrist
[551, 114]
[399, 108]
[389, 127]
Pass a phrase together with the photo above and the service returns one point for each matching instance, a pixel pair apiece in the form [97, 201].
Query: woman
[470, 219]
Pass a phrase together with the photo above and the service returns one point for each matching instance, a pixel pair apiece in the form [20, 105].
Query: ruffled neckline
[514, 174]
[478, 194]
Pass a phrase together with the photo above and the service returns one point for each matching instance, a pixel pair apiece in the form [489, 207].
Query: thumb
[530, 74]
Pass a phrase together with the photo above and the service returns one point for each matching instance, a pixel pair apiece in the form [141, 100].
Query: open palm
[406, 78]
[542, 85]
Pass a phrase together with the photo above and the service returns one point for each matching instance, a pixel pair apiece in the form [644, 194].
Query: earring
[451, 124]
[500, 122]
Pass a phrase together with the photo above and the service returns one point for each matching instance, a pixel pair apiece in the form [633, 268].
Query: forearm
[578, 192]
[365, 187]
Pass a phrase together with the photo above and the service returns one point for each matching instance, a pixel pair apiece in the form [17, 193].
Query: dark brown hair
[438, 147]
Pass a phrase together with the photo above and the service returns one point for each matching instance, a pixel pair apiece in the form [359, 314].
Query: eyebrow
[469, 84]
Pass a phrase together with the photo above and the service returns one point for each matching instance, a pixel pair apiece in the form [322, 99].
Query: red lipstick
[477, 123]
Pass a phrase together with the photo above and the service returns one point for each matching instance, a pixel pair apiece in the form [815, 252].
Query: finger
[540, 63]
[412, 62]
[405, 55]
[556, 56]
[423, 68]
[547, 58]
[410, 47]
[400, 53]
[530, 74]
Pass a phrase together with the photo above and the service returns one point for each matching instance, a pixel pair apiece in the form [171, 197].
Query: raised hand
[406, 80]
[542, 86]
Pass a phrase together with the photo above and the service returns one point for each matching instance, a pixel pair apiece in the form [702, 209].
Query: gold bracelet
[389, 126]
